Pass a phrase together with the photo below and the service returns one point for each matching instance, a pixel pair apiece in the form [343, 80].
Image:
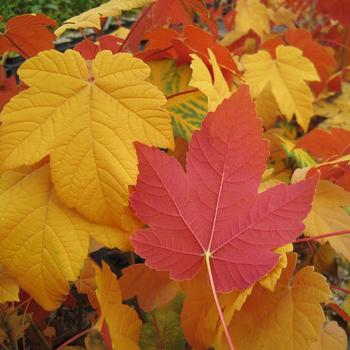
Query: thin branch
[346, 291]
[159, 336]
[71, 340]
[222, 318]
[326, 235]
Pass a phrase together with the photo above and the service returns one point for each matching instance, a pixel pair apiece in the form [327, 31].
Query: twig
[326, 235]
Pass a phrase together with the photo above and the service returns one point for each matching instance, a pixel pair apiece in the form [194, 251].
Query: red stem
[159, 336]
[71, 340]
[346, 291]
[182, 93]
[222, 318]
[326, 235]
[135, 26]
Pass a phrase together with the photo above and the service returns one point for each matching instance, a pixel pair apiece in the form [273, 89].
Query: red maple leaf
[27, 35]
[214, 212]
[169, 13]
[8, 87]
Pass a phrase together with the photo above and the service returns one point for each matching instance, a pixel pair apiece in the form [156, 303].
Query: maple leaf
[332, 337]
[286, 76]
[87, 122]
[327, 215]
[122, 320]
[152, 288]
[252, 15]
[42, 243]
[337, 9]
[8, 287]
[325, 144]
[216, 88]
[214, 212]
[169, 13]
[91, 18]
[290, 317]
[89, 49]
[319, 55]
[169, 43]
[187, 106]
[8, 87]
[27, 35]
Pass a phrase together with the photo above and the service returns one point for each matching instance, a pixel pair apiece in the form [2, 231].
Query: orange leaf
[152, 288]
[27, 35]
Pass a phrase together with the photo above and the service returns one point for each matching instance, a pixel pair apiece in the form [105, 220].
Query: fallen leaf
[87, 124]
[153, 289]
[43, 244]
[233, 225]
[288, 318]
[91, 18]
[332, 337]
[27, 35]
[123, 323]
[286, 76]
[216, 88]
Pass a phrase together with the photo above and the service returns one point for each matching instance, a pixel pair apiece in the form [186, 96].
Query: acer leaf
[290, 317]
[332, 337]
[215, 89]
[169, 13]
[327, 215]
[89, 49]
[319, 55]
[87, 121]
[162, 330]
[123, 323]
[214, 212]
[8, 287]
[8, 87]
[325, 144]
[42, 243]
[186, 106]
[286, 76]
[27, 35]
[252, 15]
[152, 288]
[91, 18]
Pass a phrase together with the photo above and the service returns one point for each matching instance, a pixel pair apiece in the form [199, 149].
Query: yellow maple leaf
[8, 287]
[152, 288]
[187, 106]
[252, 15]
[289, 318]
[327, 215]
[87, 122]
[91, 18]
[286, 76]
[122, 320]
[43, 244]
[332, 337]
[215, 89]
